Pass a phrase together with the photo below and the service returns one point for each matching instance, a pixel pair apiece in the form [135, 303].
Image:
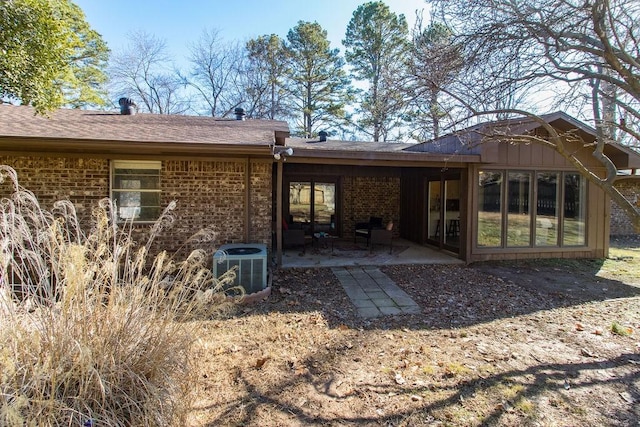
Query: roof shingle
[21, 121]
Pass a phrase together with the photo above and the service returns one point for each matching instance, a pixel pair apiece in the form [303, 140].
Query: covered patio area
[345, 253]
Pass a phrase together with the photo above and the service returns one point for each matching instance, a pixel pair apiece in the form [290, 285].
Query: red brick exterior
[209, 194]
[82, 181]
[366, 196]
[260, 206]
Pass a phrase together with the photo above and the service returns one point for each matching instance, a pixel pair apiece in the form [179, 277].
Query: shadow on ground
[494, 344]
[574, 279]
[457, 295]
[503, 398]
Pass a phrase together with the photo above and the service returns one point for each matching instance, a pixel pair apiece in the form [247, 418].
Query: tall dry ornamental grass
[92, 331]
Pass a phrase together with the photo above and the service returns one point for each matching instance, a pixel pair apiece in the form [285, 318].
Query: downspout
[279, 215]
[247, 200]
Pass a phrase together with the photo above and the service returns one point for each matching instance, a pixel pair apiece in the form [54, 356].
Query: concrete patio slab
[407, 253]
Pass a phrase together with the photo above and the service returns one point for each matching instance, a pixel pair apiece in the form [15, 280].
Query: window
[312, 205]
[547, 209]
[490, 209]
[135, 188]
[519, 215]
[542, 209]
[573, 230]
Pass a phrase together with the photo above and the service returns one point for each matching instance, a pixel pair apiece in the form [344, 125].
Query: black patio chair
[363, 229]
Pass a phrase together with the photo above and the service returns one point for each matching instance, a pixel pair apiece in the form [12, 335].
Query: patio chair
[363, 229]
[293, 238]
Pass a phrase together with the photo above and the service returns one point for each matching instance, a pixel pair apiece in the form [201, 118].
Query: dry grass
[517, 355]
[92, 330]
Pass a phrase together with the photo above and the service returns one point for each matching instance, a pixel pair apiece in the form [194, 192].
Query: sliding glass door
[443, 212]
[312, 206]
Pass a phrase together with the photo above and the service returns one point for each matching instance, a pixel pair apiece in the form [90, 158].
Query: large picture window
[312, 206]
[573, 230]
[528, 208]
[135, 188]
[518, 214]
[490, 209]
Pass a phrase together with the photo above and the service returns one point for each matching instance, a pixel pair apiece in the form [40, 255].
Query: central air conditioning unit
[251, 260]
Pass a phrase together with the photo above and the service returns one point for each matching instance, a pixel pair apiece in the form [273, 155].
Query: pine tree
[265, 75]
[376, 45]
[320, 87]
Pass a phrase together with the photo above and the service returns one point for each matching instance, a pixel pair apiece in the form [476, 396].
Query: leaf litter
[493, 344]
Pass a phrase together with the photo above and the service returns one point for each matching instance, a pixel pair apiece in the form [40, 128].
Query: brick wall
[366, 196]
[261, 203]
[82, 181]
[209, 194]
[620, 223]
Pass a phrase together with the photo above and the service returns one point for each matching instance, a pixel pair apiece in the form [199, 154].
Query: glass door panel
[299, 205]
[324, 207]
[443, 219]
[434, 228]
[451, 208]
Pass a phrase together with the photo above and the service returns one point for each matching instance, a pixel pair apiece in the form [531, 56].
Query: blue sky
[181, 23]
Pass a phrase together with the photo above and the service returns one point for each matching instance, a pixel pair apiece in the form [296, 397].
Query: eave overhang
[378, 158]
[23, 145]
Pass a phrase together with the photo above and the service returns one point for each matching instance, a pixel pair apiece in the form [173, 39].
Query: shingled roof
[469, 140]
[66, 124]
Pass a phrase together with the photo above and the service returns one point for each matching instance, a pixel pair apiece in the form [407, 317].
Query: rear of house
[477, 201]
[218, 171]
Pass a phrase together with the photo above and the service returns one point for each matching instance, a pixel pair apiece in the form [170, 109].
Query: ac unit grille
[251, 271]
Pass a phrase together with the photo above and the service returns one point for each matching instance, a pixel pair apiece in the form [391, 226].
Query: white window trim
[133, 164]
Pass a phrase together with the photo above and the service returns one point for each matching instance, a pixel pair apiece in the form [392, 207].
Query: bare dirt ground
[539, 343]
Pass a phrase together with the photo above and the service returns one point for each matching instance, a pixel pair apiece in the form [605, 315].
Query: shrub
[92, 327]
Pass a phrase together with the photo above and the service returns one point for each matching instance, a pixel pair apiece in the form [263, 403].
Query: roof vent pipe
[127, 106]
[323, 135]
[239, 112]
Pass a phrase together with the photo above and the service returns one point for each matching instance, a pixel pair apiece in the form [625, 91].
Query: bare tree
[143, 72]
[576, 50]
[216, 73]
[434, 65]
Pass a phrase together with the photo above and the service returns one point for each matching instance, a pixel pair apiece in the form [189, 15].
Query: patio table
[323, 239]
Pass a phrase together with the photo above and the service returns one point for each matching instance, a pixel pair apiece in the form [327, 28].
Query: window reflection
[537, 210]
[312, 206]
[573, 225]
[490, 209]
[547, 209]
[519, 215]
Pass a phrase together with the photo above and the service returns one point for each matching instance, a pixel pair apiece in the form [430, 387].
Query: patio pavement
[373, 293]
[404, 252]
